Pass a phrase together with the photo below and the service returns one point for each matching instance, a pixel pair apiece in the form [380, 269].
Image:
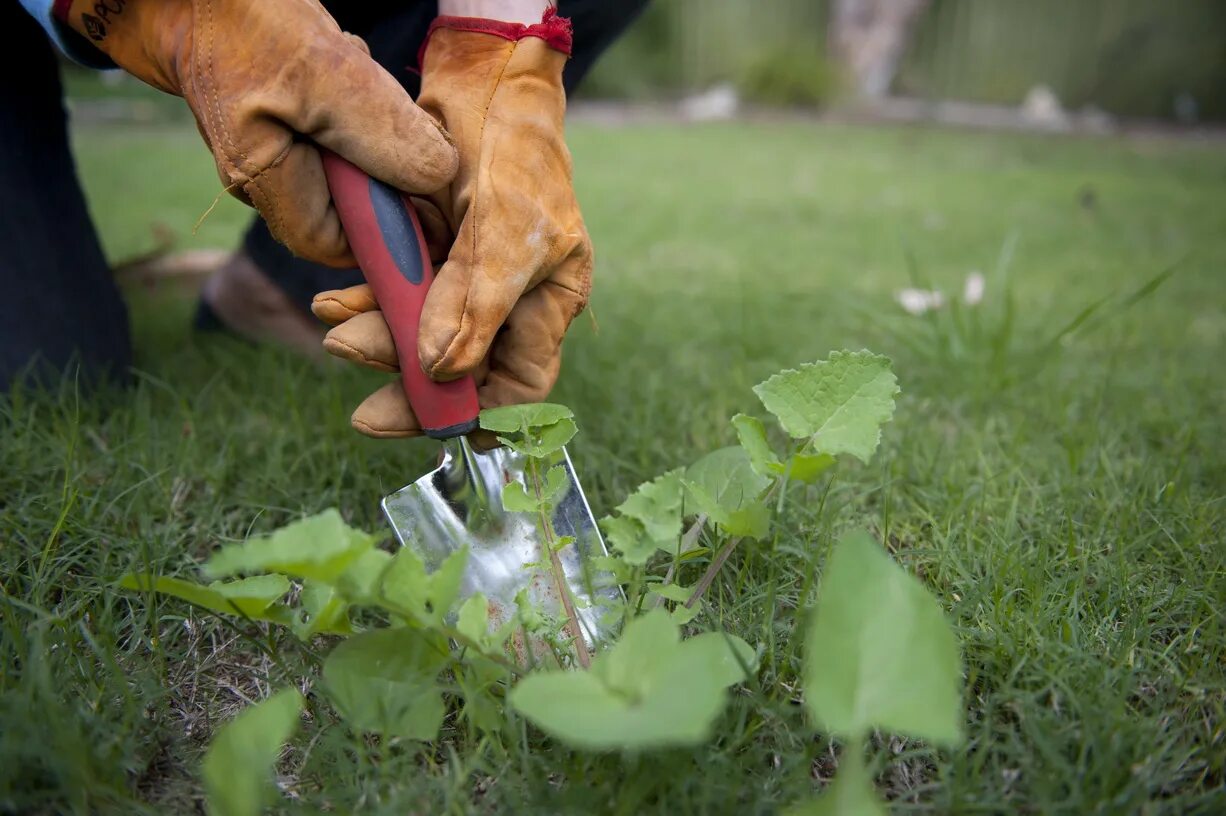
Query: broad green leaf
[627, 536]
[850, 794]
[649, 690]
[427, 597]
[519, 497]
[238, 764]
[807, 467]
[724, 485]
[840, 403]
[879, 652]
[516, 499]
[253, 598]
[317, 547]
[481, 707]
[516, 418]
[726, 479]
[360, 582]
[323, 611]
[657, 506]
[541, 442]
[752, 436]
[386, 681]
[681, 614]
[672, 592]
[751, 521]
[473, 620]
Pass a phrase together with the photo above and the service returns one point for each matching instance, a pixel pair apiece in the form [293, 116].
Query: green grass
[1069, 516]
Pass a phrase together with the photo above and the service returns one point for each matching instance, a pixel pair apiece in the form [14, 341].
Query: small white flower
[972, 291]
[919, 301]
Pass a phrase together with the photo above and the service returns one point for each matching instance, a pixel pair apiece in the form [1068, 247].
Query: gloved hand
[260, 76]
[519, 263]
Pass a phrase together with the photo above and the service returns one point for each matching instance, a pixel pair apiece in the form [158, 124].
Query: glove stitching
[271, 206]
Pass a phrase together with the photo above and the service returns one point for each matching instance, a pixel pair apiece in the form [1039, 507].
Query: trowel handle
[386, 238]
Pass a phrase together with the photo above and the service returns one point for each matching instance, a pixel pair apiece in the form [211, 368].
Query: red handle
[386, 238]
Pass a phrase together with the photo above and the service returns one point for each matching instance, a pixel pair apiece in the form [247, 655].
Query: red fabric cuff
[554, 30]
[59, 9]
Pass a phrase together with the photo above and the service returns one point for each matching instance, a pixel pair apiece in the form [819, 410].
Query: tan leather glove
[260, 76]
[519, 263]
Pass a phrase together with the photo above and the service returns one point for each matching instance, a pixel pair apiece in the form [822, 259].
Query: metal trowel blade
[459, 504]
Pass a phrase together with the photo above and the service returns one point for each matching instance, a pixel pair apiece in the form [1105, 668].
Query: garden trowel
[459, 503]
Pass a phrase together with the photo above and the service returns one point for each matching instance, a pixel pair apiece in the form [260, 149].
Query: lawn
[1062, 495]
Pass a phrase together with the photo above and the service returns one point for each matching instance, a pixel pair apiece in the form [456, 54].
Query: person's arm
[270, 83]
[72, 44]
[511, 11]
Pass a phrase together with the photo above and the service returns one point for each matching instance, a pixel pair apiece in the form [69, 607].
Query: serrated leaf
[319, 547]
[238, 764]
[541, 442]
[840, 403]
[680, 613]
[250, 597]
[879, 652]
[850, 794]
[473, 619]
[627, 536]
[427, 597]
[521, 497]
[360, 582]
[724, 485]
[323, 611]
[516, 418]
[656, 505]
[619, 569]
[752, 435]
[386, 681]
[516, 499]
[481, 707]
[650, 690]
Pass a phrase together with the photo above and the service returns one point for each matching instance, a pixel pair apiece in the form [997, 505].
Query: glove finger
[527, 355]
[292, 196]
[338, 305]
[366, 340]
[435, 229]
[386, 414]
[380, 129]
[460, 318]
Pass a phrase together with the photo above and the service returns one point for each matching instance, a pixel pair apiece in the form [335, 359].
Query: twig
[708, 577]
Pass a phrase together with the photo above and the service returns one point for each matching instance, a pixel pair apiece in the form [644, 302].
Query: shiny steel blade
[459, 504]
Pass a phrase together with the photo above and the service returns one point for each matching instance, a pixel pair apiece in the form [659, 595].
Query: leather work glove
[516, 258]
[261, 76]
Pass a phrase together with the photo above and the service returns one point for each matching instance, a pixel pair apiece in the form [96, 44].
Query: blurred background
[1131, 58]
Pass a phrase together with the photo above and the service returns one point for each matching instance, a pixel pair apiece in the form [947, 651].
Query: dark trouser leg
[60, 302]
[394, 40]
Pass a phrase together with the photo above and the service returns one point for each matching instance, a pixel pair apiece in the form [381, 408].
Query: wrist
[555, 31]
[510, 11]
